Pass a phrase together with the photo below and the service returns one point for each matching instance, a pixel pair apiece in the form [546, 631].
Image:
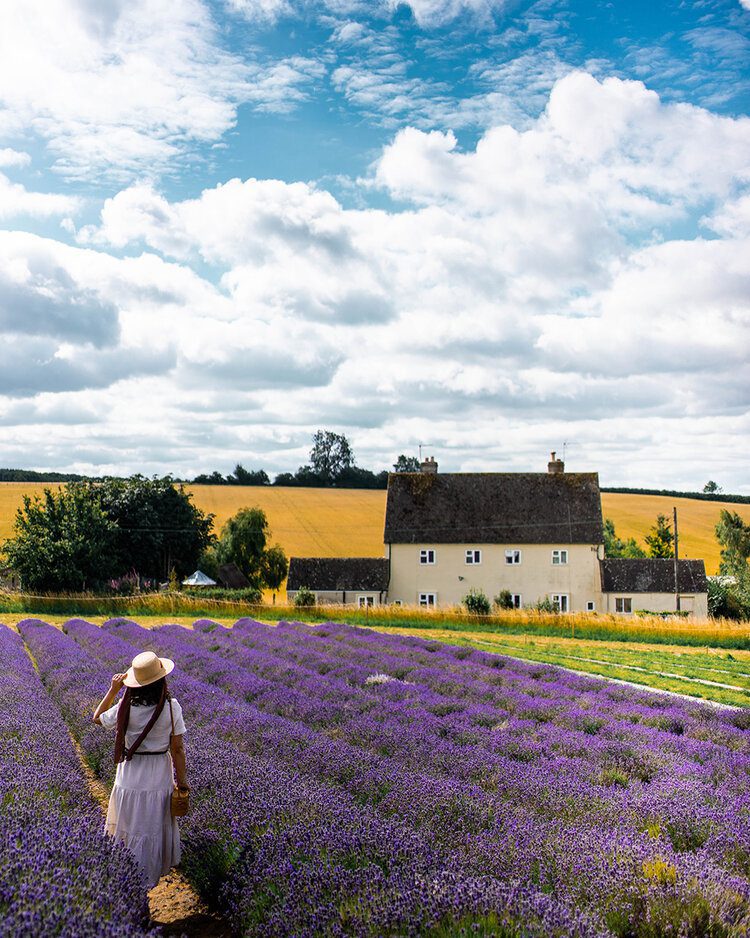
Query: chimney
[555, 466]
[429, 465]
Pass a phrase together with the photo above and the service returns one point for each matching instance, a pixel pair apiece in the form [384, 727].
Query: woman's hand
[117, 681]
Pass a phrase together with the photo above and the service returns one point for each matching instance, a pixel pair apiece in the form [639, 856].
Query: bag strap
[171, 714]
[129, 753]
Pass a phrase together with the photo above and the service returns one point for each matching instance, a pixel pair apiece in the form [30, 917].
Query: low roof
[199, 578]
[652, 575]
[493, 508]
[338, 573]
[232, 577]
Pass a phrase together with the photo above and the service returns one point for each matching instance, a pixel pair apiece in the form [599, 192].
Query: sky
[489, 228]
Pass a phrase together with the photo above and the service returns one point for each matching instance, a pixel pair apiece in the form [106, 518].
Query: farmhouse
[533, 535]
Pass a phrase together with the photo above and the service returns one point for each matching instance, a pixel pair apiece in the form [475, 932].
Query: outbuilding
[357, 580]
[631, 585]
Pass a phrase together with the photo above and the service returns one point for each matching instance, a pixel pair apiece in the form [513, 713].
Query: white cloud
[16, 200]
[127, 87]
[9, 157]
[533, 292]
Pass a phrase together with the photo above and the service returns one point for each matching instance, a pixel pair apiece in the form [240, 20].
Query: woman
[150, 753]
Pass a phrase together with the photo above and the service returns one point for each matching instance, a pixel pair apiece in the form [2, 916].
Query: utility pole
[676, 565]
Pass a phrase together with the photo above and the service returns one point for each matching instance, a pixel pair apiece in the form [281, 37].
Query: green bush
[249, 595]
[504, 600]
[304, 597]
[476, 602]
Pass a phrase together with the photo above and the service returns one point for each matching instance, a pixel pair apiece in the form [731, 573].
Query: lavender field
[351, 783]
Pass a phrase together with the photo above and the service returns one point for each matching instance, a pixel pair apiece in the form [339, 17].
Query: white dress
[139, 812]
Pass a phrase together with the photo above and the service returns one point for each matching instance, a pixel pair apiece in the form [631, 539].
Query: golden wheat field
[349, 522]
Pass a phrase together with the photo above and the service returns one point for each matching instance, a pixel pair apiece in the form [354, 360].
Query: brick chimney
[555, 466]
[429, 465]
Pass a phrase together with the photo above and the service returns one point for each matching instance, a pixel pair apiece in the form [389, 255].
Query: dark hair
[148, 696]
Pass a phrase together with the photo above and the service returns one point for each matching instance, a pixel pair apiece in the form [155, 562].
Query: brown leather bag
[180, 796]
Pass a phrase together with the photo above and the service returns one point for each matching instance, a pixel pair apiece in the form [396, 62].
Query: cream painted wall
[534, 578]
[337, 597]
[695, 603]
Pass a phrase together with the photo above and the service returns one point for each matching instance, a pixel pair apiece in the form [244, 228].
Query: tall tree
[159, 527]
[330, 455]
[274, 568]
[243, 541]
[615, 546]
[734, 536]
[63, 541]
[712, 488]
[660, 539]
[406, 464]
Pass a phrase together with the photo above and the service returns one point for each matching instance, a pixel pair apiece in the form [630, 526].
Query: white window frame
[367, 599]
[427, 600]
[623, 601]
[427, 555]
[590, 605]
[513, 557]
[473, 556]
[561, 600]
[517, 599]
[559, 557]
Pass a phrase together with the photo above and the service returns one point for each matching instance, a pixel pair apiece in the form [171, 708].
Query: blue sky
[484, 225]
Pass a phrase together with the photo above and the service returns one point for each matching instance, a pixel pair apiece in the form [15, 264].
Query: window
[559, 557]
[473, 556]
[590, 605]
[396, 602]
[427, 556]
[517, 600]
[560, 601]
[428, 599]
[513, 556]
[623, 604]
[363, 601]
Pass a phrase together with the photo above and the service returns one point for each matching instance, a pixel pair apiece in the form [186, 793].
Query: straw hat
[147, 668]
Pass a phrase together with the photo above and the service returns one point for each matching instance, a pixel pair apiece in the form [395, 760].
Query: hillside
[349, 522]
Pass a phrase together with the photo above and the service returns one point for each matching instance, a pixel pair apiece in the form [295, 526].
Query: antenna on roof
[420, 449]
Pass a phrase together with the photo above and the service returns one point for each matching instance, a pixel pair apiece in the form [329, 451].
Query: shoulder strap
[171, 714]
[129, 753]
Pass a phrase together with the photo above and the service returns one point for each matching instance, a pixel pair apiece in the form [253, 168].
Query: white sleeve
[179, 723]
[109, 717]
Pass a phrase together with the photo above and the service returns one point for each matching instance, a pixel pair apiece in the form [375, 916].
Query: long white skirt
[139, 814]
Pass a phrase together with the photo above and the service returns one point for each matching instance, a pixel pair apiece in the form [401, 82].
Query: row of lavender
[284, 852]
[59, 875]
[519, 769]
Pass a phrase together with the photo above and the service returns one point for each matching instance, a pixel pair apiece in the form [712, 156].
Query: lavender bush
[59, 874]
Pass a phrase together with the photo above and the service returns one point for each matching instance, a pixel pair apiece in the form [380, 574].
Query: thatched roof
[337, 574]
[652, 575]
[493, 508]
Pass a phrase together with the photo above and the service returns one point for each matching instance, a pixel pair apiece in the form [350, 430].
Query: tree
[733, 535]
[243, 541]
[616, 547]
[242, 476]
[712, 488]
[63, 541]
[660, 540]
[274, 568]
[159, 527]
[406, 464]
[330, 455]
[504, 600]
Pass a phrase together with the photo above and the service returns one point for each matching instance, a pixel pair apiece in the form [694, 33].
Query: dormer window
[513, 556]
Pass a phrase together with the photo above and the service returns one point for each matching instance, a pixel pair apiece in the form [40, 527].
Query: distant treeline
[353, 477]
[28, 475]
[703, 496]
